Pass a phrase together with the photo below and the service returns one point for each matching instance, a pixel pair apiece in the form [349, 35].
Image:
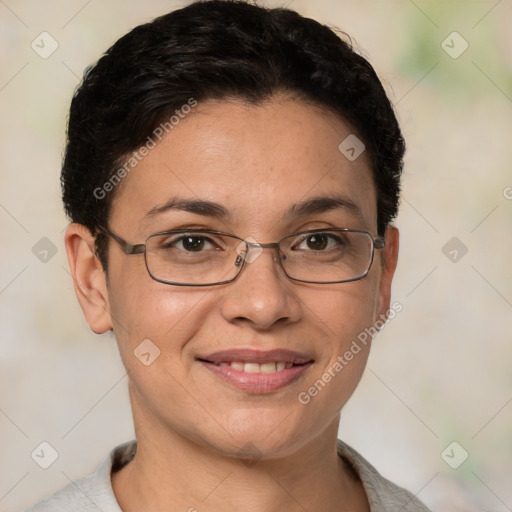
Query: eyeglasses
[187, 257]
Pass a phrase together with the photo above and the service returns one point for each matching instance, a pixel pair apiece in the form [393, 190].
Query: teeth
[270, 367]
[267, 367]
[251, 367]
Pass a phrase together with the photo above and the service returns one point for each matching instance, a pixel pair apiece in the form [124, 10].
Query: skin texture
[256, 161]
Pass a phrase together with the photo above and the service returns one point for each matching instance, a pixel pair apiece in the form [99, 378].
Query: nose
[261, 296]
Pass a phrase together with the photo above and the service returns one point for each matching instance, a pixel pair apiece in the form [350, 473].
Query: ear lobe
[88, 278]
[389, 261]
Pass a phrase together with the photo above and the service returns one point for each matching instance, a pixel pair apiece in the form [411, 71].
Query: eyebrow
[323, 204]
[215, 210]
[198, 206]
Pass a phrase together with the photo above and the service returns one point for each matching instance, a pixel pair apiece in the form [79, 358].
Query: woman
[231, 175]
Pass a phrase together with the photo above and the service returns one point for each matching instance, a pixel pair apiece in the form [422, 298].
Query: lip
[257, 383]
[257, 356]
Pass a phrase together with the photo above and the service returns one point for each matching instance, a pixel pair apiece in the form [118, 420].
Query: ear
[389, 260]
[88, 277]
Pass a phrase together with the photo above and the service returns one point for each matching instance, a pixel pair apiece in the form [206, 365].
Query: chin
[263, 433]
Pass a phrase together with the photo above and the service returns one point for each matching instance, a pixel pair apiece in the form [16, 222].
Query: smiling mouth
[257, 378]
[255, 371]
[251, 367]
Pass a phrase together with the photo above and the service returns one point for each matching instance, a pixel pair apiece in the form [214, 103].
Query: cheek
[343, 312]
[345, 318]
[153, 325]
[167, 316]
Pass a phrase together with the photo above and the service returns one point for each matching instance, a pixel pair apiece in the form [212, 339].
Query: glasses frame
[128, 248]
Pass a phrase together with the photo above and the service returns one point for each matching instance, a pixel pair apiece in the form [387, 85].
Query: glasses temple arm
[379, 243]
[127, 247]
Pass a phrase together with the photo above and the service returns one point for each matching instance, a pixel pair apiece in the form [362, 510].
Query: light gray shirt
[94, 493]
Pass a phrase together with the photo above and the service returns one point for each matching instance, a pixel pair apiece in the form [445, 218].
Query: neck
[187, 476]
[170, 468]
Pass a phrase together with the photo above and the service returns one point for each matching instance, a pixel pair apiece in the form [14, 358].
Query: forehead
[256, 161]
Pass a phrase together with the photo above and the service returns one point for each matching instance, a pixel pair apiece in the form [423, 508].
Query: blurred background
[433, 412]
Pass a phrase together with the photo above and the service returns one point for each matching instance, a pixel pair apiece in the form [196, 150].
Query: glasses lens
[192, 257]
[327, 256]
[205, 258]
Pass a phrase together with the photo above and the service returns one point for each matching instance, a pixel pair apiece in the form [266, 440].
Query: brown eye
[188, 243]
[320, 242]
[317, 242]
[193, 243]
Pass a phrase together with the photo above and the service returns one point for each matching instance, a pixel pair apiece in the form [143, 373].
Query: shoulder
[383, 495]
[93, 492]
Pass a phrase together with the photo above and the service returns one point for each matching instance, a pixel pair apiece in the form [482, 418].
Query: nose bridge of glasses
[249, 249]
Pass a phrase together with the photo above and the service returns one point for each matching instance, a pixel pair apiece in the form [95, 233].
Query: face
[258, 163]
